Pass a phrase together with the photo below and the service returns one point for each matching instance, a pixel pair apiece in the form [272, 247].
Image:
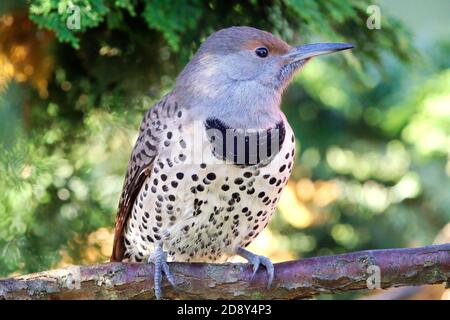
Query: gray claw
[256, 261]
[159, 258]
[169, 274]
[270, 269]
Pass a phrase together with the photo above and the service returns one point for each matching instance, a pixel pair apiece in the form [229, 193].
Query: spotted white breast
[197, 207]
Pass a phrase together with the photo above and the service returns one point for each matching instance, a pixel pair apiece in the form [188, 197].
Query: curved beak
[315, 49]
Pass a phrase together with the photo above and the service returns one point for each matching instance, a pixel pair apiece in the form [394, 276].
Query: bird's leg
[159, 258]
[256, 261]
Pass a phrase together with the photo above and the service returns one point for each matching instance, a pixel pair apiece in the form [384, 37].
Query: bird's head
[242, 65]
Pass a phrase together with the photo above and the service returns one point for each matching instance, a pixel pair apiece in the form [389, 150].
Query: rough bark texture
[295, 279]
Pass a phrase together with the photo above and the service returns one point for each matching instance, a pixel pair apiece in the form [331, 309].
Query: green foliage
[365, 121]
[53, 15]
[162, 16]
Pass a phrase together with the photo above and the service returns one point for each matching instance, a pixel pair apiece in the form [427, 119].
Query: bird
[213, 155]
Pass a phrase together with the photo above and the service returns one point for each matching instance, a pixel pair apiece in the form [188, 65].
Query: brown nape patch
[275, 46]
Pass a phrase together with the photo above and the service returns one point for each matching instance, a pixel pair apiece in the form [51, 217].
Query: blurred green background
[372, 125]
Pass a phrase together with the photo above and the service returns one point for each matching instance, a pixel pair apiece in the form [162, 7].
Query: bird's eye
[262, 52]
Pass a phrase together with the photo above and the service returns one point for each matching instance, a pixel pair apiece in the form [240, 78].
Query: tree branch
[295, 279]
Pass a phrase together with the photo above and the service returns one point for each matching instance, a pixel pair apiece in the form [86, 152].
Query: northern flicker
[213, 156]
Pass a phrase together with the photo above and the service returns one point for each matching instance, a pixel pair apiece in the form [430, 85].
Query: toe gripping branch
[256, 261]
[159, 258]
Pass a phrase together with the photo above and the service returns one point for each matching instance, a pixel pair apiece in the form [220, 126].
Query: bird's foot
[256, 261]
[159, 258]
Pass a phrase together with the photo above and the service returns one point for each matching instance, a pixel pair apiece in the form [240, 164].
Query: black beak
[316, 49]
